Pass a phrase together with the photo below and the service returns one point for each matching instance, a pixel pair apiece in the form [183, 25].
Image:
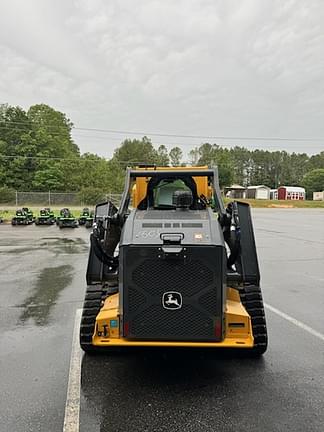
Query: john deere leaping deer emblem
[172, 300]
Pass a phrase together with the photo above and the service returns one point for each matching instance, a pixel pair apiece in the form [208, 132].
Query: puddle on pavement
[65, 245]
[192, 372]
[51, 281]
[55, 244]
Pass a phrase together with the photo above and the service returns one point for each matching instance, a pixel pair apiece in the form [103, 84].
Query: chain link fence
[114, 198]
[48, 199]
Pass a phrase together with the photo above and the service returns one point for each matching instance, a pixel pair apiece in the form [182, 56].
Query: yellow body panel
[238, 333]
[139, 189]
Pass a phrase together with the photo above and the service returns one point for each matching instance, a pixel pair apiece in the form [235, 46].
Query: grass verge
[7, 212]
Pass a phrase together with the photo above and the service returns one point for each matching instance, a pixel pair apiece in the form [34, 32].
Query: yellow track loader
[172, 267]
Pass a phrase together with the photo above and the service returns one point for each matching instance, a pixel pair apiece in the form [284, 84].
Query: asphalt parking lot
[42, 283]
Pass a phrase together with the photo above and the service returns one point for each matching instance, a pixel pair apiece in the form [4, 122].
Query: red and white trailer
[291, 193]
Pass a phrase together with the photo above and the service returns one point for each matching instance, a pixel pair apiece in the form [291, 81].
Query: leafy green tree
[26, 139]
[91, 195]
[293, 168]
[52, 131]
[175, 155]
[316, 161]
[241, 161]
[162, 156]
[134, 151]
[313, 181]
[49, 177]
[207, 152]
[115, 177]
[214, 155]
[7, 195]
[194, 156]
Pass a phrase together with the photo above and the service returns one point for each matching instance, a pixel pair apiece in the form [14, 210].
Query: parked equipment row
[46, 216]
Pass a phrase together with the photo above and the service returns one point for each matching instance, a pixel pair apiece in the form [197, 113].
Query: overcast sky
[204, 67]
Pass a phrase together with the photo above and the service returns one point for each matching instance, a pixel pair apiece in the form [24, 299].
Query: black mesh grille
[188, 277]
[209, 301]
[183, 324]
[149, 276]
[136, 299]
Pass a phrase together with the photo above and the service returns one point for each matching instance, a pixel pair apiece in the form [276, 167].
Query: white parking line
[296, 322]
[72, 405]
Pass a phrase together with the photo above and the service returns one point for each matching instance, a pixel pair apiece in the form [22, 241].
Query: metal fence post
[16, 198]
[49, 198]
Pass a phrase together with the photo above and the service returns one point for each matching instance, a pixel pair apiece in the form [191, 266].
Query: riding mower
[30, 214]
[66, 219]
[84, 215]
[89, 220]
[46, 217]
[178, 269]
[23, 216]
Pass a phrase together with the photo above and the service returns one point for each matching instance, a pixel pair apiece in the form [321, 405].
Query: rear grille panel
[189, 276]
[147, 276]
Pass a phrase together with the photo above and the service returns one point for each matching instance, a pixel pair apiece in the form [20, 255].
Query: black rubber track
[251, 298]
[91, 307]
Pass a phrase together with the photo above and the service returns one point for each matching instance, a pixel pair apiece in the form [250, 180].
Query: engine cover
[172, 277]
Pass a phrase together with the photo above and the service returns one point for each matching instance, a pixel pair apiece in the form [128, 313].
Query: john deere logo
[172, 300]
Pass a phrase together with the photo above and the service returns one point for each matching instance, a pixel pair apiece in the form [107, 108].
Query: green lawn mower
[89, 220]
[46, 217]
[23, 216]
[84, 215]
[66, 219]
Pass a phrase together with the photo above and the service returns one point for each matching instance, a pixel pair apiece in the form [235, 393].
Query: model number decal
[149, 234]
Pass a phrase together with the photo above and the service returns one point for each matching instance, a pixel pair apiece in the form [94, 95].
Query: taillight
[126, 328]
[218, 328]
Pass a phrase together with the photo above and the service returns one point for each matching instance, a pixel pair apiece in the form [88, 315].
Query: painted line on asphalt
[294, 321]
[72, 405]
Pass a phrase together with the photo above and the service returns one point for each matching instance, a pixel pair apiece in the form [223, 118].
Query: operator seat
[148, 201]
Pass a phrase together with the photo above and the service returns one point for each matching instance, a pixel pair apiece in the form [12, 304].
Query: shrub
[90, 195]
[7, 195]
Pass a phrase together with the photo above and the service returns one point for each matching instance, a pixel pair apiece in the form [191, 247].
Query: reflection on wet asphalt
[42, 283]
[66, 245]
[159, 391]
[55, 244]
[50, 282]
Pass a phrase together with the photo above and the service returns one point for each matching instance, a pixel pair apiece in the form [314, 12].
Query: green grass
[280, 203]
[7, 212]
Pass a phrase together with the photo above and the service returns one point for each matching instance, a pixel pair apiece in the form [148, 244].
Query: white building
[291, 193]
[318, 196]
[273, 194]
[258, 192]
[234, 191]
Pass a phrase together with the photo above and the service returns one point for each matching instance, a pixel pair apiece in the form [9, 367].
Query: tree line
[37, 153]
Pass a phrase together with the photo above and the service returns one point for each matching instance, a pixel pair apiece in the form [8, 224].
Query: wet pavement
[42, 284]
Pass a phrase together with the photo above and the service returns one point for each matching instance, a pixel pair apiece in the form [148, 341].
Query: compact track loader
[171, 267]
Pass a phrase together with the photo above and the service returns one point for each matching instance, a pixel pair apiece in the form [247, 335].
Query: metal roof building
[291, 193]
